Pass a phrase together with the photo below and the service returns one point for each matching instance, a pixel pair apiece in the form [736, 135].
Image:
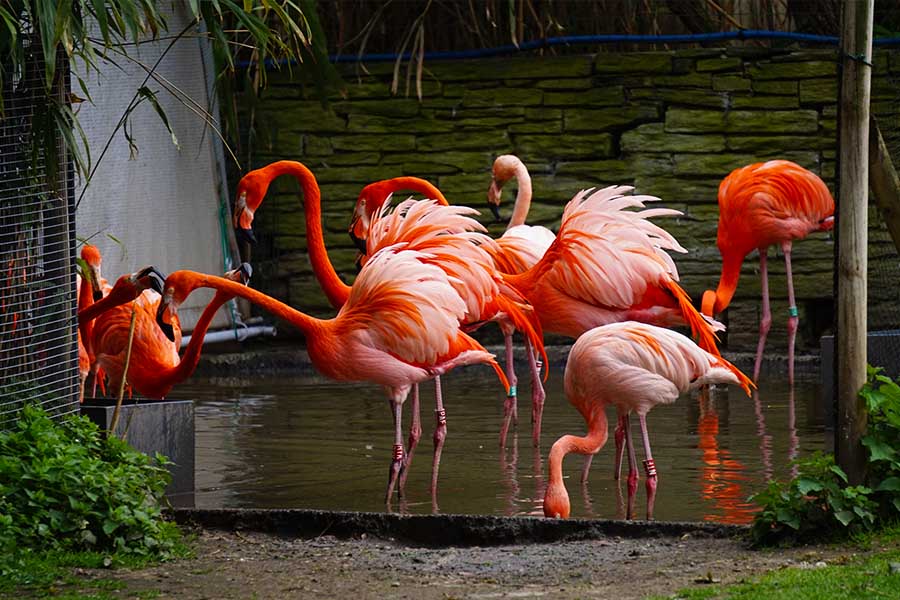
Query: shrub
[64, 486]
[818, 503]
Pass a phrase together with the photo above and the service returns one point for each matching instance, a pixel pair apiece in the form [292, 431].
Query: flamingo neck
[335, 289]
[598, 431]
[523, 197]
[309, 326]
[120, 294]
[415, 184]
[715, 302]
[188, 363]
[85, 326]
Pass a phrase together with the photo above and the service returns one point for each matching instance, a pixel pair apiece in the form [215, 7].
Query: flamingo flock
[429, 275]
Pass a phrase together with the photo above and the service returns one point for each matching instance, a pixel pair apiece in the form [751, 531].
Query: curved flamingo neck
[306, 324]
[188, 363]
[414, 184]
[598, 431]
[119, 295]
[523, 197]
[728, 281]
[335, 289]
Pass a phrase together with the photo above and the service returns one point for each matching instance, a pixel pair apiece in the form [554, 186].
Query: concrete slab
[165, 426]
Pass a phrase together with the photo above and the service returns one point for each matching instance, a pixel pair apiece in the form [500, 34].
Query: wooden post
[885, 181]
[856, 46]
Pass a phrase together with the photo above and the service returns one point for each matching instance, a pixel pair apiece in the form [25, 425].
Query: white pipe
[230, 335]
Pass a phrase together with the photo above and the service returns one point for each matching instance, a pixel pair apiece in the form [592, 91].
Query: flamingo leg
[440, 433]
[537, 395]
[649, 468]
[397, 456]
[632, 468]
[415, 434]
[620, 442]
[793, 318]
[765, 321]
[510, 412]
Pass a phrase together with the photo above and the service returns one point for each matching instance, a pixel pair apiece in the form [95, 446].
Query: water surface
[286, 442]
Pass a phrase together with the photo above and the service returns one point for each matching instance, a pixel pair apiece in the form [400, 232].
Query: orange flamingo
[633, 366]
[424, 231]
[519, 248]
[89, 290]
[761, 205]
[398, 328]
[154, 367]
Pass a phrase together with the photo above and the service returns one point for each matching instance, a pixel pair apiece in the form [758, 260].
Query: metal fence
[38, 344]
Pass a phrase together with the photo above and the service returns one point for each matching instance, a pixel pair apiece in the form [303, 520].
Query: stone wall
[672, 124]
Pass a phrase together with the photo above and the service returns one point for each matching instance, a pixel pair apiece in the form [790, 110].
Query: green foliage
[818, 503]
[64, 486]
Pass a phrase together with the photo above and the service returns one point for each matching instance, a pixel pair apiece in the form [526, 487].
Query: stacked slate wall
[672, 124]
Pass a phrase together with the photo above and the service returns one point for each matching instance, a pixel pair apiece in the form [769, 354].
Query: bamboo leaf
[149, 95]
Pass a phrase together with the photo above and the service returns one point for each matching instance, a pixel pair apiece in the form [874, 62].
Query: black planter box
[164, 426]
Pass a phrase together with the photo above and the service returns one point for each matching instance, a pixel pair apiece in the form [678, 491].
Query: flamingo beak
[494, 200]
[495, 210]
[151, 278]
[358, 263]
[95, 283]
[246, 272]
[357, 241]
[165, 307]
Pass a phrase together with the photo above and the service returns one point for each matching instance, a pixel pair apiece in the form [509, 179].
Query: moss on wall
[672, 124]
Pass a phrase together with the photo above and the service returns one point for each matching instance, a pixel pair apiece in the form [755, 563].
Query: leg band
[792, 311]
[650, 467]
[398, 451]
[441, 415]
[512, 392]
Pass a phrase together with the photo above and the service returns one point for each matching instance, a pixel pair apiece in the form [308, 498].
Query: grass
[867, 576]
[51, 574]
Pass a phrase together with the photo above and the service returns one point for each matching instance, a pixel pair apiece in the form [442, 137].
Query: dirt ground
[253, 565]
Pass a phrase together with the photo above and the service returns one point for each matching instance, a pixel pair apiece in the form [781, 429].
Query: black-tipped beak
[98, 295]
[156, 281]
[166, 328]
[359, 243]
[245, 235]
[246, 272]
[358, 263]
[496, 212]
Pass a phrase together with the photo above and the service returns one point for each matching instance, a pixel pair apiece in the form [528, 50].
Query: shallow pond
[286, 442]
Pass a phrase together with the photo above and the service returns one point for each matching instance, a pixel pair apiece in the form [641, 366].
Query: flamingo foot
[393, 473]
[440, 434]
[650, 469]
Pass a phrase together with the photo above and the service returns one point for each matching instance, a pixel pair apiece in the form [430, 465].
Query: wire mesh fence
[38, 345]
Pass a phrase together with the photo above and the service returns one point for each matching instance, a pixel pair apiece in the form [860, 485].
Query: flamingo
[760, 205]
[519, 248]
[398, 328]
[421, 229]
[89, 289]
[632, 366]
[155, 366]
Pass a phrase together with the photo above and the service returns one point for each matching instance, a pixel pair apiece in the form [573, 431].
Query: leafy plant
[818, 502]
[64, 486]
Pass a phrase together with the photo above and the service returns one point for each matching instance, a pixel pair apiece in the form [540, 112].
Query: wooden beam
[856, 56]
[884, 181]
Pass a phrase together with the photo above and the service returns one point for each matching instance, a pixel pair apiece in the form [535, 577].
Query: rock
[730, 83]
[565, 146]
[512, 68]
[681, 120]
[395, 142]
[600, 96]
[607, 119]
[694, 80]
[395, 107]
[726, 63]
[637, 62]
[491, 140]
[794, 70]
[894, 568]
[683, 97]
[367, 123]
[781, 88]
[502, 97]
[765, 102]
[564, 84]
[597, 170]
[652, 138]
[819, 91]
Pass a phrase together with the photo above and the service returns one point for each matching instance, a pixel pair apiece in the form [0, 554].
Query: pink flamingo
[398, 328]
[421, 226]
[633, 366]
[760, 205]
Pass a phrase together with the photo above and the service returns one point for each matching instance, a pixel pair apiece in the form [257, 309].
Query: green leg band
[512, 392]
[792, 311]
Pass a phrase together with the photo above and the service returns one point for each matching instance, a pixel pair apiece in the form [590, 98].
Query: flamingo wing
[521, 247]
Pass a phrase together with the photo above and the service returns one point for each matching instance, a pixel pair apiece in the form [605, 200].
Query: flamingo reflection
[723, 478]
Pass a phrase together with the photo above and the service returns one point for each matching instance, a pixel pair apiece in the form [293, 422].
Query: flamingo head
[129, 287]
[251, 190]
[556, 501]
[92, 260]
[179, 285]
[504, 169]
[369, 202]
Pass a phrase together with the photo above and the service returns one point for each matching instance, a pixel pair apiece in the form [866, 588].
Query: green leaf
[806, 485]
[839, 472]
[878, 449]
[844, 516]
[788, 518]
[147, 94]
[891, 484]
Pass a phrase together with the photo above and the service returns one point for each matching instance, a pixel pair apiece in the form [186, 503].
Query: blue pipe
[614, 38]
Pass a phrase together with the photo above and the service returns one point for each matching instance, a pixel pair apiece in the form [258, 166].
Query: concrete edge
[441, 530]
